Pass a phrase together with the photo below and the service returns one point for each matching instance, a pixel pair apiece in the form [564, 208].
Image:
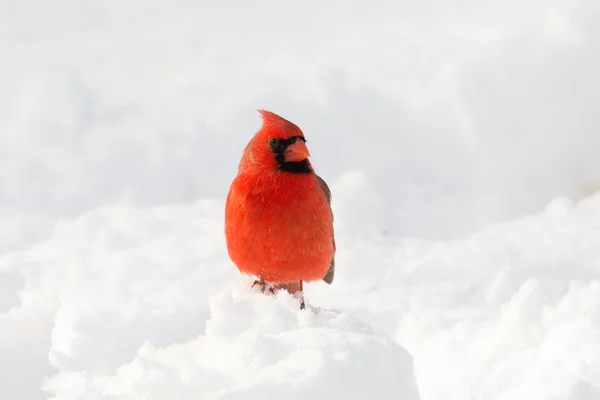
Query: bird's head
[278, 145]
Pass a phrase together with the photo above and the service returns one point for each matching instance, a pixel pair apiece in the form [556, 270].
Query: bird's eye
[273, 143]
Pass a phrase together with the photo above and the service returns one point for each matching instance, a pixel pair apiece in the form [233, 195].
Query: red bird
[278, 217]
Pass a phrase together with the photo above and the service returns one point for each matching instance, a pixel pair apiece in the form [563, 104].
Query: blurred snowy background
[457, 138]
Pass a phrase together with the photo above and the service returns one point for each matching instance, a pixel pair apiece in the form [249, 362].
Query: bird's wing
[331, 271]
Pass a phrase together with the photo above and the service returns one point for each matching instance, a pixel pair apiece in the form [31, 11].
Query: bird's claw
[294, 289]
[264, 286]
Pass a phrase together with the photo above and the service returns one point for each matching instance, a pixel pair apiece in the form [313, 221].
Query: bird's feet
[295, 289]
[264, 286]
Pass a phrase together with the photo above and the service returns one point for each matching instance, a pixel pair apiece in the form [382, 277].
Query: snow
[460, 141]
[253, 347]
[148, 305]
[508, 313]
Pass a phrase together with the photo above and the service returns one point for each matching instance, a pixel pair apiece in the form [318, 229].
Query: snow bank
[511, 313]
[134, 313]
[256, 347]
[125, 301]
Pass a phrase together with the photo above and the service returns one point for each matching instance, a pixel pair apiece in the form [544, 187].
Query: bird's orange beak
[296, 151]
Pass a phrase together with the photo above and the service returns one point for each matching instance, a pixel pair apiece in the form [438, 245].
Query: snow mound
[258, 346]
[126, 302]
[510, 313]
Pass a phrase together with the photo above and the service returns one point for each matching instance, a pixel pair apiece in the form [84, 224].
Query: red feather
[278, 224]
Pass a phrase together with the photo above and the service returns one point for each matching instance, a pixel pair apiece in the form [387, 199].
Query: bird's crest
[274, 121]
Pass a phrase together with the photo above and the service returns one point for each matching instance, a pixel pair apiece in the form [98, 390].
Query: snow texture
[256, 347]
[460, 141]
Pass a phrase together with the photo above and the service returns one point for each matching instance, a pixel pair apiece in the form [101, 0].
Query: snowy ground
[461, 142]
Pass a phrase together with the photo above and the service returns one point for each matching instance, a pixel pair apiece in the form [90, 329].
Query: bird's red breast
[278, 219]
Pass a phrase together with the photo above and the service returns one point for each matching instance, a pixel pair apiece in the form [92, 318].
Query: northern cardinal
[278, 217]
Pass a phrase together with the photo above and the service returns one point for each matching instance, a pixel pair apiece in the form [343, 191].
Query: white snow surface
[460, 141]
[256, 347]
